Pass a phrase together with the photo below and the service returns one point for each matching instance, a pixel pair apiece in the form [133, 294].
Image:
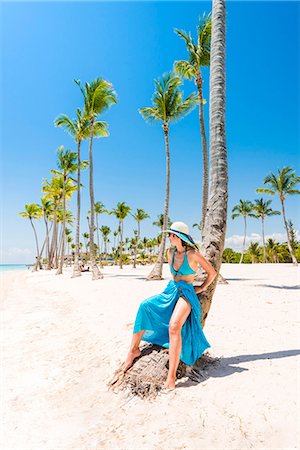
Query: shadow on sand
[295, 287]
[227, 366]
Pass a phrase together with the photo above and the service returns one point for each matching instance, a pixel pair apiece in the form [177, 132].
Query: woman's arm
[211, 273]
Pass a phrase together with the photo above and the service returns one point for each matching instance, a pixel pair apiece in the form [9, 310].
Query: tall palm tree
[79, 128]
[283, 184]
[215, 220]
[244, 208]
[67, 163]
[138, 216]
[121, 212]
[199, 56]
[99, 209]
[263, 210]
[98, 97]
[105, 232]
[33, 211]
[168, 106]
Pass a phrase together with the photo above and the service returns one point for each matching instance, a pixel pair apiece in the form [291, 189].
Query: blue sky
[44, 46]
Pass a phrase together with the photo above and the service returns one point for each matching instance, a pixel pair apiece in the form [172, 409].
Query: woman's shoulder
[193, 254]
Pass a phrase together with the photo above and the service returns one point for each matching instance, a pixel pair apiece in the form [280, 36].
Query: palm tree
[79, 129]
[99, 209]
[215, 220]
[33, 211]
[199, 55]
[67, 163]
[168, 105]
[263, 210]
[138, 216]
[283, 184]
[244, 208]
[98, 97]
[277, 252]
[121, 212]
[105, 232]
[254, 251]
[54, 192]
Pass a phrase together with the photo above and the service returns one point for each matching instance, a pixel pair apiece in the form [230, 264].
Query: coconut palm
[168, 106]
[283, 184]
[245, 209]
[33, 211]
[53, 190]
[121, 212]
[98, 97]
[105, 232]
[138, 216]
[262, 210]
[198, 56]
[79, 128]
[215, 220]
[67, 163]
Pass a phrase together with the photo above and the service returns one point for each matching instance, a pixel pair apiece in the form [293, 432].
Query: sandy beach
[63, 338]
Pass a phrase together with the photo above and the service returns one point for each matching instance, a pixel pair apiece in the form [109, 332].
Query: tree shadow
[224, 367]
[295, 287]
[243, 279]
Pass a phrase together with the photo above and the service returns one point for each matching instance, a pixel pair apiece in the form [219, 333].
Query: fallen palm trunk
[149, 371]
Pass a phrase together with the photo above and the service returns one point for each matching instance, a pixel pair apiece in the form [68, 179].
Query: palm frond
[100, 129]
[184, 69]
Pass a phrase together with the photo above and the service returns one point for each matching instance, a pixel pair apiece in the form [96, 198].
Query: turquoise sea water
[7, 267]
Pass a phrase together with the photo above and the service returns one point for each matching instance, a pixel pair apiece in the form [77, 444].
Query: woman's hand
[200, 289]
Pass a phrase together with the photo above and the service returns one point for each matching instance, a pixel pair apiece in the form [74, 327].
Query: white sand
[63, 338]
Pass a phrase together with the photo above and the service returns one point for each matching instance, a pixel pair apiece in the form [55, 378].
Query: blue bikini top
[184, 269]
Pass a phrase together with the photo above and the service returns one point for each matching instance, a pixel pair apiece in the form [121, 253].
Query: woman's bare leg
[179, 316]
[134, 350]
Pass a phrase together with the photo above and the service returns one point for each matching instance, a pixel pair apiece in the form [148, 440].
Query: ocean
[7, 267]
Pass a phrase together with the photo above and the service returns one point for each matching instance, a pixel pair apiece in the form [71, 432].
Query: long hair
[188, 246]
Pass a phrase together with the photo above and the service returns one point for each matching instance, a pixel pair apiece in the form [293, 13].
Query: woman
[172, 319]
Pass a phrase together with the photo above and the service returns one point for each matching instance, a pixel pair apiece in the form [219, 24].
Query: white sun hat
[182, 231]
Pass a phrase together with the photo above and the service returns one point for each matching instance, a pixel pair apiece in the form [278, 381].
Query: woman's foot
[132, 354]
[170, 383]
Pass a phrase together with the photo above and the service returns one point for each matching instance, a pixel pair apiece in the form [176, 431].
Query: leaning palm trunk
[76, 270]
[37, 263]
[199, 82]
[156, 273]
[287, 234]
[215, 222]
[244, 240]
[95, 270]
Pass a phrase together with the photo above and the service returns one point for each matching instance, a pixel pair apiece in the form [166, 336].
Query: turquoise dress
[155, 312]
